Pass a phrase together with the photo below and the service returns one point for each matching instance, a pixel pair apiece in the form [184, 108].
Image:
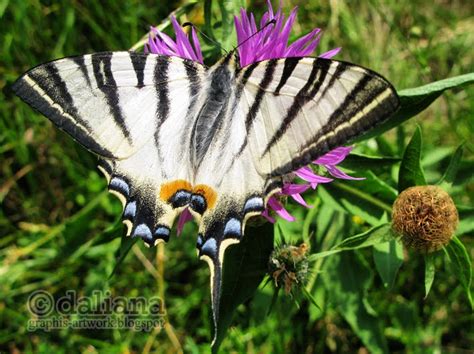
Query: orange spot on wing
[170, 188]
[208, 193]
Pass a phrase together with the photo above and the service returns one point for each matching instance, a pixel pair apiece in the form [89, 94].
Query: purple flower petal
[267, 216]
[197, 46]
[299, 199]
[335, 156]
[280, 210]
[293, 188]
[329, 54]
[308, 175]
[334, 171]
[160, 43]
[184, 217]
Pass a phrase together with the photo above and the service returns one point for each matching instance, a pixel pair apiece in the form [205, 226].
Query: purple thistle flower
[161, 43]
[272, 41]
[257, 43]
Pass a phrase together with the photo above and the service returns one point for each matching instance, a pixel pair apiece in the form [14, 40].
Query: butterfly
[171, 133]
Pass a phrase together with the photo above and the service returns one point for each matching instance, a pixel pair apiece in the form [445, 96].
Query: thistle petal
[308, 175]
[329, 54]
[161, 43]
[184, 217]
[335, 172]
[334, 157]
[266, 215]
[279, 209]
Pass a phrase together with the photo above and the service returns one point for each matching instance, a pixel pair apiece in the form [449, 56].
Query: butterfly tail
[215, 267]
[216, 285]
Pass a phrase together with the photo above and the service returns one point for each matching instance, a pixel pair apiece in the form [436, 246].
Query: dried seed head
[424, 217]
[289, 266]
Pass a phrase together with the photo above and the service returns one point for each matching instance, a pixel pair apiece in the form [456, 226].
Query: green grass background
[59, 230]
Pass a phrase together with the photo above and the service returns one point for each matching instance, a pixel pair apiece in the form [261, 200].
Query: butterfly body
[172, 134]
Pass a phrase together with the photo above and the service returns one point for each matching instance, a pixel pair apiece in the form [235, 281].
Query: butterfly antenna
[271, 22]
[186, 24]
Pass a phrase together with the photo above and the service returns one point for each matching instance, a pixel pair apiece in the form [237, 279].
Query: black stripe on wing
[252, 113]
[160, 80]
[80, 62]
[139, 62]
[102, 68]
[289, 66]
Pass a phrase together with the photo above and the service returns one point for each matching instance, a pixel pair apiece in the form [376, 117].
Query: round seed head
[425, 218]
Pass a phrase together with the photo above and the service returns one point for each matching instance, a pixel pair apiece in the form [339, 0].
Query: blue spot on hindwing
[232, 227]
[130, 210]
[198, 203]
[119, 185]
[144, 232]
[253, 204]
[209, 248]
[180, 198]
[163, 233]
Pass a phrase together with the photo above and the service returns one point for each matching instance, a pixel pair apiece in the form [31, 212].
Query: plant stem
[363, 195]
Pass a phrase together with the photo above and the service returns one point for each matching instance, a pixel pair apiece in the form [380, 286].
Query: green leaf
[436, 154]
[430, 271]
[245, 266]
[367, 199]
[388, 258]
[411, 173]
[371, 237]
[375, 235]
[415, 100]
[355, 209]
[358, 162]
[465, 226]
[453, 166]
[462, 267]
[347, 279]
[466, 219]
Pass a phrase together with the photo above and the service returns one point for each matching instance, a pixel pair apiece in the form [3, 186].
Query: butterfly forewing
[309, 107]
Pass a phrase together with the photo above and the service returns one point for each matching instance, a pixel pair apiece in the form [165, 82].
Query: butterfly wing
[282, 115]
[131, 109]
[305, 107]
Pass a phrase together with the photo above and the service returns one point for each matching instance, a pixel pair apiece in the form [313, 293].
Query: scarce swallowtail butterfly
[171, 133]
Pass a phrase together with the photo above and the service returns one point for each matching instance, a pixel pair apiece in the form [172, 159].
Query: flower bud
[289, 265]
[424, 217]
